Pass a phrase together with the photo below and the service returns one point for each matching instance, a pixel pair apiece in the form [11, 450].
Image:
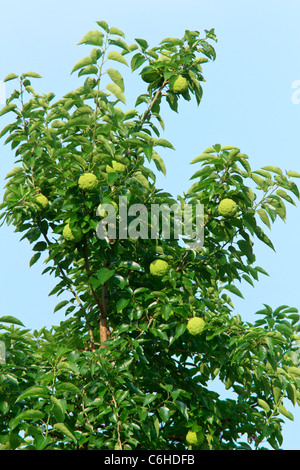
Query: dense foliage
[123, 371]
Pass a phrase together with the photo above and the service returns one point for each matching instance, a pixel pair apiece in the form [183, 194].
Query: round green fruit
[227, 208]
[73, 235]
[178, 85]
[194, 438]
[42, 202]
[159, 268]
[195, 326]
[101, 212]
[88, 182]
[116, 167]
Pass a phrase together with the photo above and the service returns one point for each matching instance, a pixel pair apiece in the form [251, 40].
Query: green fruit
[159, 268]
[73, 235]
[195, 326]
[178, 85]
[149, 75]
[42, 202]
[116, 167]
[227, 208]
[101, 212]
[88, 182]
[194, 438]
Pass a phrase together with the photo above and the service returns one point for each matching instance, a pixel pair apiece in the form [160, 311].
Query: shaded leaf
[34, 259]
[104, 275]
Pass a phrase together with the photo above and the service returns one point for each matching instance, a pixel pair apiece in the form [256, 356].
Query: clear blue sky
[247, 103]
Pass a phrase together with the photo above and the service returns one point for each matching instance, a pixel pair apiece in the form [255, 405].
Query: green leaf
[58, 409]
[263, 404]
[40, 246]
[182, 408]
[132, 265]
[114, 55]
[246, 248]
[292, 393]
[229, 147]
[88, 70]
[35, 391]
[94, 38]
[121, 304]
[284, 195]
[263, 237]
[9, 319]
[294, 370]
[293, 174]
[82, 63]
[31, 74]
[261, 270]
[116, 90]
[149, 398]
[7, 108]
[34, 259]
[274, 169]
[62, 428]
[116, 31]
[163, 143]
[276, 393]
[180, 329]
[116, 78]
[159, 163]
[136, 61]
[172, 41]
[156, 424]
[64, 365]
[282, 410]
[143, 43]
[138, 175]
[164, 413]
[60, 305]
[261, 183]
[68, 387]
[104, 275]
[10, 76]
[30, 415]
[103, 25]
[234, 290]
[264, 217]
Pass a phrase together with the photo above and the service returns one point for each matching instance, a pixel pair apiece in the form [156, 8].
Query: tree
[131, 366]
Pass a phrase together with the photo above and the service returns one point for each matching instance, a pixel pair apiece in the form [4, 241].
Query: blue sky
[248, 102]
